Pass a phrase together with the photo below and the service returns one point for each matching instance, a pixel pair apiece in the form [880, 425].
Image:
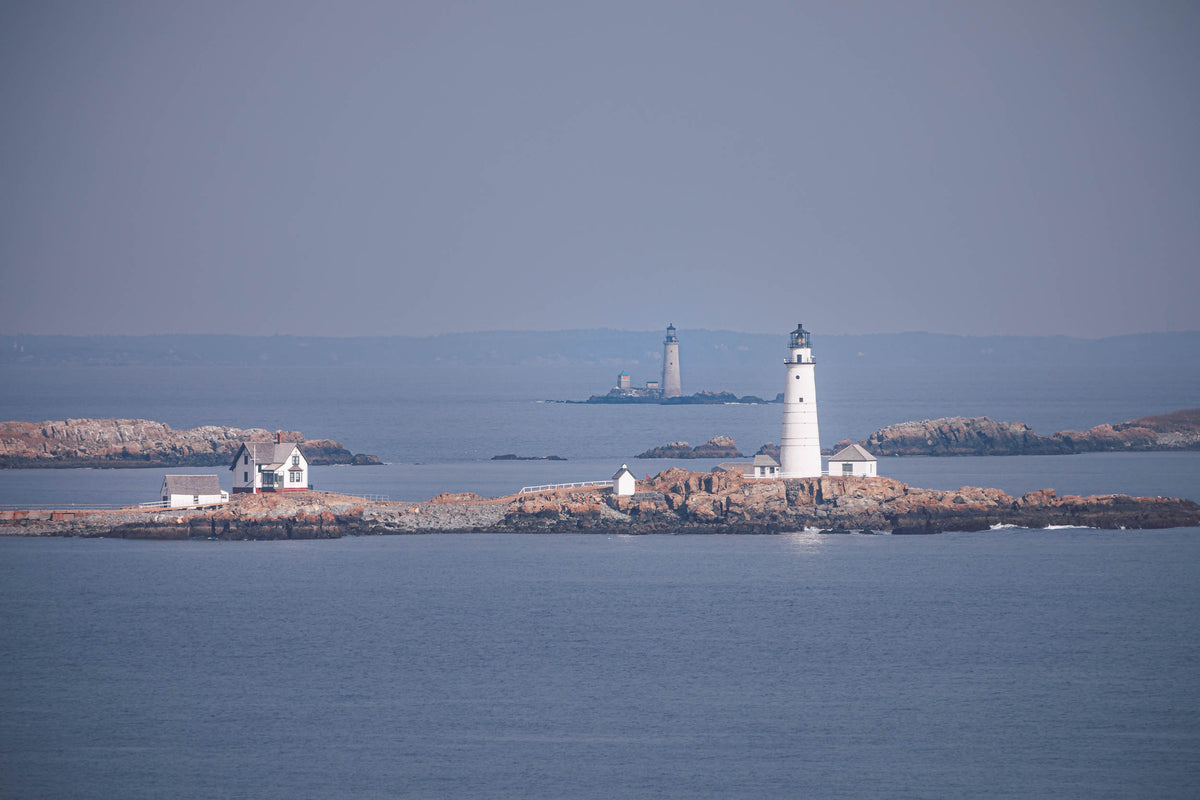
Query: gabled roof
[852, 453]
[734, 466]
[266, 453]
[624, 470]
[192, 484]
[764, 460]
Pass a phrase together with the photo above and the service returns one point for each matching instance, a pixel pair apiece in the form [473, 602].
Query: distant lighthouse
[670, 378]
[800, 451]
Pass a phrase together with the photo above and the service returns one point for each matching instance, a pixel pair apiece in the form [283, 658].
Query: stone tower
[800, 448]
[670, 378]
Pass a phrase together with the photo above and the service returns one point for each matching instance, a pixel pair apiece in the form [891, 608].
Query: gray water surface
[1004, 664]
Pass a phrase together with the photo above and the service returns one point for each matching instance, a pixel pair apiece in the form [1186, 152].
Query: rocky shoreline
[117, 443]
[982, 436]
[675, 501]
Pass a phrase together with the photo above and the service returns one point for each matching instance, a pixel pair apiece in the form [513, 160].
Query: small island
[675, 501]
[515, 457]
[716, 447]
[616, 397]
[982, 436]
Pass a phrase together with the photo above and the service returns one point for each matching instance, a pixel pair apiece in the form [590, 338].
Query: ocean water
[1061, 663]
[1002, 664]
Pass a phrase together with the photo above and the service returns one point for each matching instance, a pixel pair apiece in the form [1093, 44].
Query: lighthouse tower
[800, 450]
[670, 376]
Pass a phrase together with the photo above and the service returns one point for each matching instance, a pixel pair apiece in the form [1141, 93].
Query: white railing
[63, 506]
[545, 487]
[166, 504]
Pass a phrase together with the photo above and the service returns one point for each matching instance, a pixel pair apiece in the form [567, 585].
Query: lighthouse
[800, 450]
[670, 375]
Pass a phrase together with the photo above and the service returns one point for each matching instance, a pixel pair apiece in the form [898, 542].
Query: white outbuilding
[852, 461]
[765, 466]
[623, 482]
[182, 491]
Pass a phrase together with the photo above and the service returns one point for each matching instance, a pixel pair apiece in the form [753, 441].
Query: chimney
[278, 437]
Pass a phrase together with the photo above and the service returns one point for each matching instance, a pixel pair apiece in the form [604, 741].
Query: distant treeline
[698, 348]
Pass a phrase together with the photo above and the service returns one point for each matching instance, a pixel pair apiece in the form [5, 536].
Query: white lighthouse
[800, 450]
[670, 374]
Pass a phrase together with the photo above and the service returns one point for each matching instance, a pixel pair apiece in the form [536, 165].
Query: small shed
[182, 491]
[623, 482]
[765, 466]
[852, 461]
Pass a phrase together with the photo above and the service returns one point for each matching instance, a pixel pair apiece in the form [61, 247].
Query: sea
[1005, 663]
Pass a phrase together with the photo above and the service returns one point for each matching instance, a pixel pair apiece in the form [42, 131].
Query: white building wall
[183, 500]
[625, 484]
[671, 385]
[800, 447]
[858, 469]
[285, 472]
[245, 474]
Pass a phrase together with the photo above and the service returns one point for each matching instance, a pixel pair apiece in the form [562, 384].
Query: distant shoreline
[982, 436]
[144, 444]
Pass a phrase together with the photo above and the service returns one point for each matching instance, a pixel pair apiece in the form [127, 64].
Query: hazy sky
[421, 167]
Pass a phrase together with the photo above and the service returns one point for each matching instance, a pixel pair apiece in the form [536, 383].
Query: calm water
[1005, 664]
[1014, 664]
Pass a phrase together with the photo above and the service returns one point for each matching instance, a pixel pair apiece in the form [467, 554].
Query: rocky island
[675, 501]
[981, 436]
[74, 443]
[716, 447]
[616, 397]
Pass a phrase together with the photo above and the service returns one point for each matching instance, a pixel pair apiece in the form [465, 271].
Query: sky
[377, 168]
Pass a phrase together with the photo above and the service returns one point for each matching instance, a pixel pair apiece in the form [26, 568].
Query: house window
[295, 461]
[268, 479]
[245, 477]
[847, 469]
[295, 475]
[195, 499]
[246, 458]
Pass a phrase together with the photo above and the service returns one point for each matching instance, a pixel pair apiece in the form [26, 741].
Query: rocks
[681, 501]
[625, 397]
[956, 436]
[144, 443]
[675, 501]
[952, 436]
[716, 447]
[769, 449]
[515, 457]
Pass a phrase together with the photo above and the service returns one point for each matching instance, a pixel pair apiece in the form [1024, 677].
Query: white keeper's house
[181, 491]
[269, 467]
[852, 461]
